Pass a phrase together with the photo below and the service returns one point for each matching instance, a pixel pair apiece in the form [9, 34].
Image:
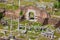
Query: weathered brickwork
[40, 15]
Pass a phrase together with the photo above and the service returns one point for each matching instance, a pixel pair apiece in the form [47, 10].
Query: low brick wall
[54, 21]
[49, 20]
[42, 16]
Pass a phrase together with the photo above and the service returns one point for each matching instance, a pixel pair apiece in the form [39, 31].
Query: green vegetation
[31, 15]
[50, 27]
[27, 3]
[2, 5]
[21, 13]
[1, 15]
[31, 33]
[11, 7]
[1, 26]
[8, 6]
[57, 13]
[57, 34]
[57, 4]
[26, 22]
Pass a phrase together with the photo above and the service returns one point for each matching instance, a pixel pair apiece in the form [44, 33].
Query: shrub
[57, 4]
[1, 16]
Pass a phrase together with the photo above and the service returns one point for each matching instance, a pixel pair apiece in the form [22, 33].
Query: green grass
[57, 13]
[1, 34]
[2, 5]
[27, 3]
[26, 22]
[29, 34]
[1, 26]
[8, 6]
[43, 38]
[11, 7]
[50, 27]
[57, 34]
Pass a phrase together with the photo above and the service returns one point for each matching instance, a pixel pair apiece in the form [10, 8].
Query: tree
[57, 4]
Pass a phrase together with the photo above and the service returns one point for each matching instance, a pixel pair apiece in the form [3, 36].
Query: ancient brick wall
[54, 21]
[14, 14]
[41, 15]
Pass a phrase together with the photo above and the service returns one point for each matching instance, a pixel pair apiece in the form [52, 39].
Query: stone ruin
[37, 13]
[40, 15]
[33, 13]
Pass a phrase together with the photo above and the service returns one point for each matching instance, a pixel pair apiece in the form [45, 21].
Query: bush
[57, 4]
[21, 13]
[1, 16]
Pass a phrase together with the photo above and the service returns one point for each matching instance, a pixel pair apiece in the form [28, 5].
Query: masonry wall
[54, 21]
[41, 15]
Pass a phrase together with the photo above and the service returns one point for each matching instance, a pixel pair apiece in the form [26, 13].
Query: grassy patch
[57, 34]
[57, 13]
[26, 22]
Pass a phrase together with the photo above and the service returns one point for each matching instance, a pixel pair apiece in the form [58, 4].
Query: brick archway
[39, 13]
[27, 15]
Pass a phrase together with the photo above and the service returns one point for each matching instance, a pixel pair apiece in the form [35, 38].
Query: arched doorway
[31, 15]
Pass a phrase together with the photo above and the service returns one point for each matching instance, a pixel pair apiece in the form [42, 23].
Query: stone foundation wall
[41, 15]
[54, 21]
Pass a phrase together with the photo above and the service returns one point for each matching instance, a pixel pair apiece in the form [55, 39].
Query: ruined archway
[30, 15]
[38, 13]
